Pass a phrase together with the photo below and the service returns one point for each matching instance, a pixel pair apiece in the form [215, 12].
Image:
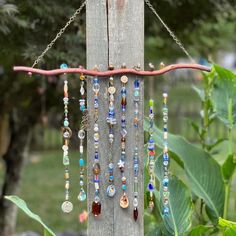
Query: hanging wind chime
[97, 171]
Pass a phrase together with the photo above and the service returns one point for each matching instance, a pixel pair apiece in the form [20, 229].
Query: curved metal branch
[112, 72]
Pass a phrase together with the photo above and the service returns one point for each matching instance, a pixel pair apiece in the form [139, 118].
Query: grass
[43, 190]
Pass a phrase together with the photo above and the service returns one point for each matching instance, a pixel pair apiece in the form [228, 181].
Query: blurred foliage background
[30, 113]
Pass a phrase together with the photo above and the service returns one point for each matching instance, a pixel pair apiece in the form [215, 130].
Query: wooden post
[115, 35]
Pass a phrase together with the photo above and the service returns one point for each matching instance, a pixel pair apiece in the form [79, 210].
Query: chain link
[77, 12]
[174, 37]
[59, 34]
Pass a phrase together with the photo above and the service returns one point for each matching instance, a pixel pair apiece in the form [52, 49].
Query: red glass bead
[96, 208]
[152, 153]
[135, 213]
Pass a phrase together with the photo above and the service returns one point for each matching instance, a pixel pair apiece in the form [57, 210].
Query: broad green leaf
[199, 230]
[203, 172]
[228, 167]
[224, 96]
[229, 227]
[23, 206]
[152, 227]
[180, 204]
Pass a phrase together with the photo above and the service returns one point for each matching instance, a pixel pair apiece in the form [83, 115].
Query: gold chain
[59, 34]
[174, 37]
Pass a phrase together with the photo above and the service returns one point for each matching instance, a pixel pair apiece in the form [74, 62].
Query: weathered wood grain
[114, 39]
[126, 45]
[97, 54]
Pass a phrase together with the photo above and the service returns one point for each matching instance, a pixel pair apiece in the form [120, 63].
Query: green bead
[66, 161]
[165, 194]
[151, 102]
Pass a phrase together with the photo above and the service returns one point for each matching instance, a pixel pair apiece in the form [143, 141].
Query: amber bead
[136, 120]
[96, 208]
[123, 101]
[96, 169]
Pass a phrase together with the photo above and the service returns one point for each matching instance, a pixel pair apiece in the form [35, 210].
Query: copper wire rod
[111, 72]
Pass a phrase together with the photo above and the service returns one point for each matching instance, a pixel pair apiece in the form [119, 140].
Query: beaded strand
[136, 149]
[151, 156]
[111, 120]
[124, 201]
[66, 206]
[96, 205]
[165, 181]
[81, 135]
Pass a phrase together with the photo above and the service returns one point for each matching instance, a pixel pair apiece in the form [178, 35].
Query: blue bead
[82, 108]
[66, 123]
[136, 83]
[81, 162]
[111, 177]
[63, 66]
[95, 80]
[165, 182]
[165, 157]
[151, 187]
[136, 93]
[166, 211]
[124, 187]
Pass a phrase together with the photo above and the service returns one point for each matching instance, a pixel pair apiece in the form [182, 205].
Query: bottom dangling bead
[135, 213]
[96, 208]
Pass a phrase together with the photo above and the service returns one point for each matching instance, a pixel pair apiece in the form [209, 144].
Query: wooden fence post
[115, 35]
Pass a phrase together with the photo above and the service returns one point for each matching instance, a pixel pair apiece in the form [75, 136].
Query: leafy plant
[229, 227]
[23, 206]
[208, 181]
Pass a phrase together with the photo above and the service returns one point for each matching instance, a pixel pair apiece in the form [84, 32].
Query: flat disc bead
[124, 79]
[67, 207]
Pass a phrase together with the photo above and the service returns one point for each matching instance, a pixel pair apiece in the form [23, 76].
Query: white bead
[96, 128]
[81, 149]
[165, 95]
[165, 135]
[135, 202]
[96, 186]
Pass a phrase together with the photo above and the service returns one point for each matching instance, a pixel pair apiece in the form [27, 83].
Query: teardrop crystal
[82, 196]
[96, 208]
[82, 90]
[135, 213]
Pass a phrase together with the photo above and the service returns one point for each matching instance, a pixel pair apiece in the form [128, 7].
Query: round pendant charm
[124, 201]
[67, 207]
[111, 191]
[67, 133]
[81, 134]
[124, 79]
[111, 90]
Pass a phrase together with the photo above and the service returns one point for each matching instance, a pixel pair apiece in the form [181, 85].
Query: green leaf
[151, 226]
[200, 92]
[228, 226]
[196, 127]
[228, 167]
[180, 204]
[23, 206]
[214, 144]
[203, 172]
[224, 96]
[199, 230]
